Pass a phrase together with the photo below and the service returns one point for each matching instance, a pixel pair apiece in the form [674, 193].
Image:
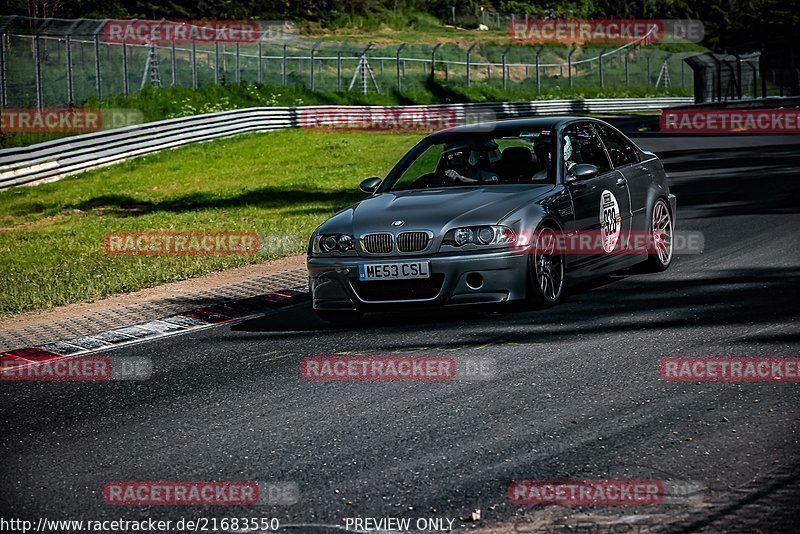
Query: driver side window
[426, 163]
[580, 144]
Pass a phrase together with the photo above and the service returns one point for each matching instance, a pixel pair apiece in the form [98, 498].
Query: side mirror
[370, 184]
[581, 172]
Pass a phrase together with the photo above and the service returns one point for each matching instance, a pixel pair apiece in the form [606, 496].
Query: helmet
[567, 148]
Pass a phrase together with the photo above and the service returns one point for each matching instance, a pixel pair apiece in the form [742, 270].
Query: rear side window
[581, 145]
[622, 152]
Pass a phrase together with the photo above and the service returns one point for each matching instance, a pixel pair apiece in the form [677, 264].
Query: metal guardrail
[56, 159]
[769, 102]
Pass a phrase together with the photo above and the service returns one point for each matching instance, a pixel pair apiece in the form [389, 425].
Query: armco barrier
[769, 102]
[70, 155]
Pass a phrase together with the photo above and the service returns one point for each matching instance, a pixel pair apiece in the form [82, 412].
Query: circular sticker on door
[610, 220]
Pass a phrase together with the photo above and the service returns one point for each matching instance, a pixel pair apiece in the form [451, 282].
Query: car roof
[507, 127]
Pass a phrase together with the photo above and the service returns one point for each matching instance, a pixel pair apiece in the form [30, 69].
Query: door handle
[621, 181]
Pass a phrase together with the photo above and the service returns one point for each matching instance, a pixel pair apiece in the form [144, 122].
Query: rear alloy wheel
[337, 317]
[661, 226]
[546, 270]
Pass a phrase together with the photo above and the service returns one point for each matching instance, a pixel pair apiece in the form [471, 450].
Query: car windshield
[477, 160]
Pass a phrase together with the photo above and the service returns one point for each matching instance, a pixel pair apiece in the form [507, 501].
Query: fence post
[433, 59]
[538, 79]
[569, 63]
[260, 66]
[216, 63]
[70, 88]
[98, 81]
[755, 78]
[739, 88]
[600, 59]
[36, 58]
[125, 86]
[3, 93]
[716, 86]
[469, 56]
[194, 65]
[238, 64]
[627, 77]
[283, 66]
[174, 64]
[399, 48]
[505, 71]
[339, 67]
[649, 75]
[313, 54]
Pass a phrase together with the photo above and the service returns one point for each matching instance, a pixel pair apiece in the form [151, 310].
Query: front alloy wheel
[547, 269]
[661, 226]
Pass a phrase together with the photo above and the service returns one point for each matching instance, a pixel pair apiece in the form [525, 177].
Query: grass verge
[170, 102]
[287, 182]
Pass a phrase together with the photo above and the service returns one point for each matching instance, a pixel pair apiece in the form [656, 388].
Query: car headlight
[480, 236]
[328, 243]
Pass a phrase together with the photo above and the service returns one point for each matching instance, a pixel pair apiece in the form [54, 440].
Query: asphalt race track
[577, 394]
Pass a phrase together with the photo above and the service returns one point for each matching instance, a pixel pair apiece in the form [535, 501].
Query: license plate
[394, 271]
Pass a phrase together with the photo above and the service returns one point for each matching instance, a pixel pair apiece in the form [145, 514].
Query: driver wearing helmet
[568, 163]
[478, 165]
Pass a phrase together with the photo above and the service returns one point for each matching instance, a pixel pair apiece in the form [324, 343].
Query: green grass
[171, 102]
[287, 182]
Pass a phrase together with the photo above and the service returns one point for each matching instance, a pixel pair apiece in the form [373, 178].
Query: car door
[601, 205]
[626, 159]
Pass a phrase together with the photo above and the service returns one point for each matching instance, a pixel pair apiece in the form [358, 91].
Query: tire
[662, 227]
[545, 270]
[343, 317]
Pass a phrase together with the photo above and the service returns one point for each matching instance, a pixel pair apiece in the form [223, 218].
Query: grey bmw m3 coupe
[495, 213]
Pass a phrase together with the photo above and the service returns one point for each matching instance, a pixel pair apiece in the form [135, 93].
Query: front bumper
[503, 275]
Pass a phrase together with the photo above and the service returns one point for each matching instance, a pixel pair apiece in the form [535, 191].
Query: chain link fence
[58, 62]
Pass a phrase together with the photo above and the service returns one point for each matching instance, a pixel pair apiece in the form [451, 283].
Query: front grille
[412, 241]
[378, 243]
[383, 290]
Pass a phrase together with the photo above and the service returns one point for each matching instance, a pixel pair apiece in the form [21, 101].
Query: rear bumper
[334, 282]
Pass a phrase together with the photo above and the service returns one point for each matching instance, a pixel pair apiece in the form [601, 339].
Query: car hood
[438, 210]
